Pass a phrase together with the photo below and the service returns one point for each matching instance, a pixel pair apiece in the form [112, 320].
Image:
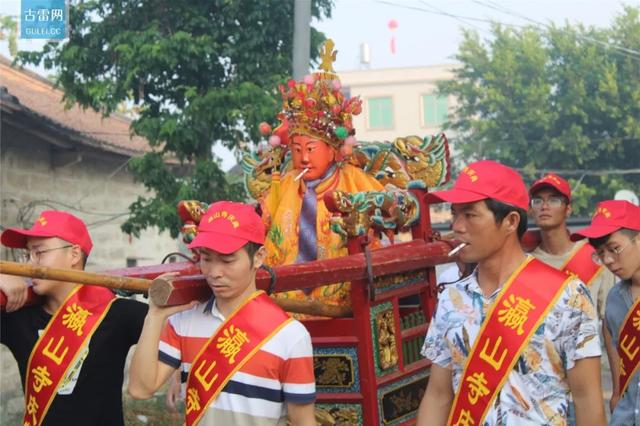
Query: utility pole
[301, 37]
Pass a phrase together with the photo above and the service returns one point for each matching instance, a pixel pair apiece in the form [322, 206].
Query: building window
[380, 113]
[132, 262]
[434, 110]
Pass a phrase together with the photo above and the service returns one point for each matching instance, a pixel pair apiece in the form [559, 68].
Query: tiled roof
[39, 96]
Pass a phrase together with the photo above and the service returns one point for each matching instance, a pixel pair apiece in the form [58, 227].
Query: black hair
[500, 210]
[600, 241]
[251, 248]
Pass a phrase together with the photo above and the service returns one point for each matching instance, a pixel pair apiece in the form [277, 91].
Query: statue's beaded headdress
[316, 107]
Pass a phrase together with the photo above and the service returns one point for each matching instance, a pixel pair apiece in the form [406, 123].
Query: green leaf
[560, 98]
[200, 72]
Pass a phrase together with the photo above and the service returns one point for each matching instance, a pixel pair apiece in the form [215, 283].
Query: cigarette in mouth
[297, 178]
[457, 249]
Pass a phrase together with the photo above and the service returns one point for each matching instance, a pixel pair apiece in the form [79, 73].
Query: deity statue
[314, 164]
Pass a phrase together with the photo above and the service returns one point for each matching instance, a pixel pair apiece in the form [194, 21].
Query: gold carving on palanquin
[387, 349]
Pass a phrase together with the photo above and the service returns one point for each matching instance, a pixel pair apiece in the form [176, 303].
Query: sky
[427, 32]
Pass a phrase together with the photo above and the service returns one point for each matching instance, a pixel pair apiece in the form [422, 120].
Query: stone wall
[98, 189]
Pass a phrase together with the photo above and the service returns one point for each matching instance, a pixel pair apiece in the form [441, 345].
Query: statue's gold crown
[316, 107]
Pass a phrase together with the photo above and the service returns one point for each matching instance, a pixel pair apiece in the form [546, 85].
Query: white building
[399, 102]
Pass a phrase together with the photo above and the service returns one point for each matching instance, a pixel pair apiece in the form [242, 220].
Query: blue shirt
[619, 303]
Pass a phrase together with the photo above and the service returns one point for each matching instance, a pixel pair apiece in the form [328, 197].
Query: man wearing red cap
[504, 348]
[615, 235]
[243, 359]
[550, 209]
[71, 349]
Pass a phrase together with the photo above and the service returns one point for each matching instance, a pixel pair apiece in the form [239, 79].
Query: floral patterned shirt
[536, 391]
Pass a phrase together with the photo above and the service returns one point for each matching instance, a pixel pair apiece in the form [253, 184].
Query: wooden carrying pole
[182, 290]
[136, 285]
[195, 288]
[409, 256]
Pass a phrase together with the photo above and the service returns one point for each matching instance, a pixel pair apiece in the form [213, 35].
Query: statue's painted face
[311, 153]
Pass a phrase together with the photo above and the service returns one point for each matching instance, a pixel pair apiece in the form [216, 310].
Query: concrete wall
[99, 188]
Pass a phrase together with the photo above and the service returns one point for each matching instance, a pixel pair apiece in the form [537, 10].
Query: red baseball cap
[51, 223]
[554, 181]
[227, 226]
[485, 179]
[610, 216]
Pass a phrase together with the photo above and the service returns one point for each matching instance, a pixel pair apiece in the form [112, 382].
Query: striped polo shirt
[280, 372]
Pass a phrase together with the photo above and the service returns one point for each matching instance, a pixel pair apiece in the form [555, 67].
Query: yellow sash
[57, 349]
[249, 327]
[629, 346]
[581, 264]
[517, 313]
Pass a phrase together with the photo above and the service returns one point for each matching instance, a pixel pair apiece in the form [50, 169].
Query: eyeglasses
[34, 255]
[600, 256]
[537, 202]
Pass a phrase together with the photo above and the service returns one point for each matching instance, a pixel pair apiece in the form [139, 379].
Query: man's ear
[77, 257]
[568, 211]
[511, 222]
[259, 256]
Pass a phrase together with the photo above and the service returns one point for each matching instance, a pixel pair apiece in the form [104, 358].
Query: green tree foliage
[554, 98]
[198, 72]
[9, 32]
